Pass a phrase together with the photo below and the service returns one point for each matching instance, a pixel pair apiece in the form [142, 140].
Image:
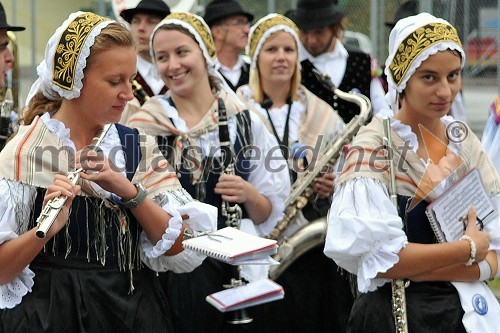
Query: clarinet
[54, 206]
[139, 92]
[397, 285]
[231, 211]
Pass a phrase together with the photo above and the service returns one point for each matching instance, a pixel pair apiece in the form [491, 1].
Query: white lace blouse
[365, 233]
[202, 217]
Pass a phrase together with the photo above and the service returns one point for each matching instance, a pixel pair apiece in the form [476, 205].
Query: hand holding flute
[56, 204]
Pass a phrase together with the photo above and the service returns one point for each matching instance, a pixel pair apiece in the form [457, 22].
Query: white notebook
[250, 294]
[233, 246]
[446, 211]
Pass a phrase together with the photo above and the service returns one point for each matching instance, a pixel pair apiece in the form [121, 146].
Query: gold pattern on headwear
[69, 47]
[413, 45]
[265, 25]
[201, 29]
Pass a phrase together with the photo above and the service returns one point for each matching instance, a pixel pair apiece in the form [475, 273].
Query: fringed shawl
[366, 158]
[35, 155]
[153, 119]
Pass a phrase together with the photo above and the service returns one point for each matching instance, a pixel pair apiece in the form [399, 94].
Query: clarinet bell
[238, 317]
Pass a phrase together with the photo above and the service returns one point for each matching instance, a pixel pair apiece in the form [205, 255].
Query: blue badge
[480, 305]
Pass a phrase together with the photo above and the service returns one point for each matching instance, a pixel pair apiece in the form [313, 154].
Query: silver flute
[398, 285]
[53, 207]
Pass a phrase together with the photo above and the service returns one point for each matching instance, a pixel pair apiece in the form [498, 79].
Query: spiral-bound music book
[234, 247]
[250, 294]
[446, 213]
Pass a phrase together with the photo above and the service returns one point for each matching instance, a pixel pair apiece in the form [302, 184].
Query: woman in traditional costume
[188, 123]
[379, 241]
[298, 119]
[94, 271]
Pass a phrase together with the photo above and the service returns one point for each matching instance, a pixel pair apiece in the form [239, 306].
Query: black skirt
[431, 307]
[75, 296]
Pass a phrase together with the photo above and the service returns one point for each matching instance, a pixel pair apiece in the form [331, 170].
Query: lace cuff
[380, 260]
[183, 262]
[167, 239]
[12, 293]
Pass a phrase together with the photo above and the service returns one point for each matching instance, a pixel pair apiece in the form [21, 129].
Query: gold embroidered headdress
[412, 40]
[196, 26]
[60, 74]
[264, 28]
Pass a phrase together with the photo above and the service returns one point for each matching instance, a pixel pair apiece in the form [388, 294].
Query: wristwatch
[134, 202]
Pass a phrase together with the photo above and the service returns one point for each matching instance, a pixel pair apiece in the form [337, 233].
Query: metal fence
[476, 20]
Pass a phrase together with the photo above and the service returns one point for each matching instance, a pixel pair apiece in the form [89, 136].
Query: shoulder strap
[129, 138]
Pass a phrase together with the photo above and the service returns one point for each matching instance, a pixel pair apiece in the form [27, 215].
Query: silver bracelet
[484, 270]
[472, 244]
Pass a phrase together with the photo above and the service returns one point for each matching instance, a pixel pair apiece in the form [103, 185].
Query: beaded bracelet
[472, 244]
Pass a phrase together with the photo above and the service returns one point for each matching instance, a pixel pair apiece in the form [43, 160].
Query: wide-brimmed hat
[408, 8]
[3, 21]
[221, 9]
[315, 14]
[151, 7]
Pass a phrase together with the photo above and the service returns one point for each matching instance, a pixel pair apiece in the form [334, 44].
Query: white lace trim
[382, 257]
[167, 239]
[12, 293]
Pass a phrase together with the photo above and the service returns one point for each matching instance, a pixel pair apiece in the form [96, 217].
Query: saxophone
[54, 206]
[397, 285]
[314, 233]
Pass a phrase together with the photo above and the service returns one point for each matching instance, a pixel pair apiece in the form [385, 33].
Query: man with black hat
[230, 25]
[321, 25]
[143, 19]
[407, 8]
[6, 56]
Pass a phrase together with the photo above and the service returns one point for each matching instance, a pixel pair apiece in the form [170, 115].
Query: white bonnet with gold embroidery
[412, 40]
[60, 74]
[263, 29]
[202, 34]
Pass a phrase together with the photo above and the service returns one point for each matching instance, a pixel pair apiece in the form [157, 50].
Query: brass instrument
[313, 234]
[397, 285]
[54, 206]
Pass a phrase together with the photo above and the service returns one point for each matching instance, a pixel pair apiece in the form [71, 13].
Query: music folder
[251, 294]
[234, 247]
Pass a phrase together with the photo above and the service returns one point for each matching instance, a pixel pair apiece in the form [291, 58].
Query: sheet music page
[455, 202]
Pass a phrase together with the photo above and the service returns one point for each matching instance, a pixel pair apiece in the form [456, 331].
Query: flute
[397, 285]
[54, 206]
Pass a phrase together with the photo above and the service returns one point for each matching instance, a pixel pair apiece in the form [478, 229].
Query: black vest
[212, 169]
[244, 77]
[357, 76]
[93, 229]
